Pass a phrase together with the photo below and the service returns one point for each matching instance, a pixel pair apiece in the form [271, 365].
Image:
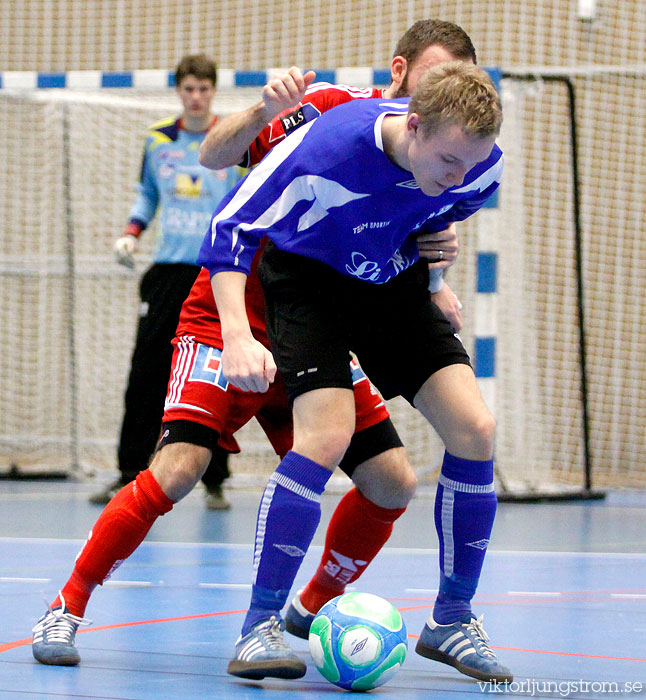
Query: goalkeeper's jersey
[329, 192]
[185, 193]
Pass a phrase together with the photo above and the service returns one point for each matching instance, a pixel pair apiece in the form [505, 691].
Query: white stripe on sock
[463, 487]
[447, 532]
[295, 487]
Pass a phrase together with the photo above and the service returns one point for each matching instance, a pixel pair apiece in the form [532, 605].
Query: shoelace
[482, 637]
[60, 625]
[272, 634]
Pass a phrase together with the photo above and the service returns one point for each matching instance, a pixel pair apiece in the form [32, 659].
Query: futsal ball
[358, 641]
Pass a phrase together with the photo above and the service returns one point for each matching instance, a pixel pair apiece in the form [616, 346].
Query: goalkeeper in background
[185, 193]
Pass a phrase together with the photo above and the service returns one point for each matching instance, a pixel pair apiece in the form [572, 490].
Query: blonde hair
[459, 93]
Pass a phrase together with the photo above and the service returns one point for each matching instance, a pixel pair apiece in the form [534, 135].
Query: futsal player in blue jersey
[174, 186]
[338, 200]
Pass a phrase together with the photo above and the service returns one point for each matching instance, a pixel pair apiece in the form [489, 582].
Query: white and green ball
[358, 641]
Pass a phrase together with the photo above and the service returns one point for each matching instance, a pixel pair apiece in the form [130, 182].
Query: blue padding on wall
[496, 75]
[492, 202]
[381, 77]
[251, 78]
[51, 80]
[116, 80]
[485, 357]
[324, 76]
[487, 269]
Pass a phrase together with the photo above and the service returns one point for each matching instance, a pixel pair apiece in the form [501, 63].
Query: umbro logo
[479, 544]
[409, 184]
[290, 550]
[359, 646]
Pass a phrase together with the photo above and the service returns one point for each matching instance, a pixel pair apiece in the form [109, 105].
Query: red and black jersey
[318, 98]
[199, 316]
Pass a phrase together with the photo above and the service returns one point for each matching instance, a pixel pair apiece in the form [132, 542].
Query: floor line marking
[555, 653]
[628, 595]
[18, 579]
[386, 550]
[24, 642]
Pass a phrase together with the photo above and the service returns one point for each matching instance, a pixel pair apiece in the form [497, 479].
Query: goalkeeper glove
[125, 246]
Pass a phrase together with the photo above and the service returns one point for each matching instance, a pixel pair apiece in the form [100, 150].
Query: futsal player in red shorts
[203, 410]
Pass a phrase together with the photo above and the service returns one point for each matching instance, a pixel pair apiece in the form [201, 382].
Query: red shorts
[198, 392]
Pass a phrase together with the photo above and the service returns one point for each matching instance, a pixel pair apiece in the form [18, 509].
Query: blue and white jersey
[185, 192]
[329, 192]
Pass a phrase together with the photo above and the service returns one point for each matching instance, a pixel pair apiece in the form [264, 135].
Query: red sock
[120, 529]
[357, 531]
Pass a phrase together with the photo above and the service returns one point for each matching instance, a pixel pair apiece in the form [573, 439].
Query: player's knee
[480, 435]
[178, 467]
[403, 479]
[324, 421]
[388, 479]
[407, 483]
[325, 446]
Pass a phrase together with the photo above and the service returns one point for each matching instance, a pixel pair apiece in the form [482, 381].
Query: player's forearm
[229, 294]
[227, 142]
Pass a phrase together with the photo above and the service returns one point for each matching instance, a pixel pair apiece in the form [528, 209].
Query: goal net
[70, 312]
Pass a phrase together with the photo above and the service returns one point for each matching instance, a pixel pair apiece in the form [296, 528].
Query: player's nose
[456, 175]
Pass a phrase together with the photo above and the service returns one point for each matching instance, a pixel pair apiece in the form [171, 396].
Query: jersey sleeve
[476, 193]
[145, 205]
[318, 98]
[274, 192]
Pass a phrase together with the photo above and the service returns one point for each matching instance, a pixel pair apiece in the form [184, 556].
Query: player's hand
[285, 90]
[450, 306]
[248, 364]
[440, 249]
[124, 249]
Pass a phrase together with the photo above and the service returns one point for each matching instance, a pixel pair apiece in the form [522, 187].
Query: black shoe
[103, 497]
[215, 499]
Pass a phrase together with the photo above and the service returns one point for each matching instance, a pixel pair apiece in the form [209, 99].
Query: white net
[66, 339]
[71, 310]
[71, 161]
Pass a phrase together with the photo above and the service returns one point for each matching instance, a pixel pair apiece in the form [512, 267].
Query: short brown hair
[460, 93]
[429, 32]
[199, 65]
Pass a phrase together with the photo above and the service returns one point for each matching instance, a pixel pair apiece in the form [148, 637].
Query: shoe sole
[100, 499]
[258, 670]
[217, 505]
[69, 660]
[296, 630]
[444, 658]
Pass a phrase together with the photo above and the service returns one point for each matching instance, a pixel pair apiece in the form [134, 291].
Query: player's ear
[398, 69]
[412, 123]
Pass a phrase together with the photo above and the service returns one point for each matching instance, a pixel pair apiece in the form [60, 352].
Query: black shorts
[316, 316]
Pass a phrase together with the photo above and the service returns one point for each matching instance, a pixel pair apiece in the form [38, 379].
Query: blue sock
[289, 513]
[465, 508]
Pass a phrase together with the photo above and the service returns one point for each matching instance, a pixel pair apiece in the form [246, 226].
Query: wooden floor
[563, 593]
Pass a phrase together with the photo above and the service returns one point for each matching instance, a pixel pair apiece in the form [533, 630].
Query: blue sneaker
[464, 646]
[54, 634]
[263, 652]
[298, 619]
